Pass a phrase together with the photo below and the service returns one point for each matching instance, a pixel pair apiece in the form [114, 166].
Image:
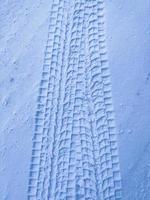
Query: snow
[24, 26]
[128, 41]
[23, 36]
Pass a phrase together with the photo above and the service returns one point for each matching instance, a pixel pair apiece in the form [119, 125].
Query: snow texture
[64, 144]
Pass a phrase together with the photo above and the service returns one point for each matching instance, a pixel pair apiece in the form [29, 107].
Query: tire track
[75, 153]
[56, 62]
[68, 117]
[61, 163]
[98, 103]
[85, 181]
[94, 135]
[71, 81]
[108, 100]
[55, 109]
[101, 115]
[45, 101]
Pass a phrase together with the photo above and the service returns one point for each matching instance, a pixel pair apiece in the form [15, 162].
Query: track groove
[97, 98]
[108, 101]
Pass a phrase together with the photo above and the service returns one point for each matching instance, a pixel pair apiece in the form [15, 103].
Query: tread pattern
[75, 153]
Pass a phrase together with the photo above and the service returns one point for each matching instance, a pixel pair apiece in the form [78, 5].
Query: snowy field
[24, 28]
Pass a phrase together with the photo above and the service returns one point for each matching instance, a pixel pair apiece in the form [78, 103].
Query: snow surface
[23, 36]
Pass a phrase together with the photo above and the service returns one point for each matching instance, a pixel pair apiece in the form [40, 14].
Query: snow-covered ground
[23, 35]
[128, 41]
